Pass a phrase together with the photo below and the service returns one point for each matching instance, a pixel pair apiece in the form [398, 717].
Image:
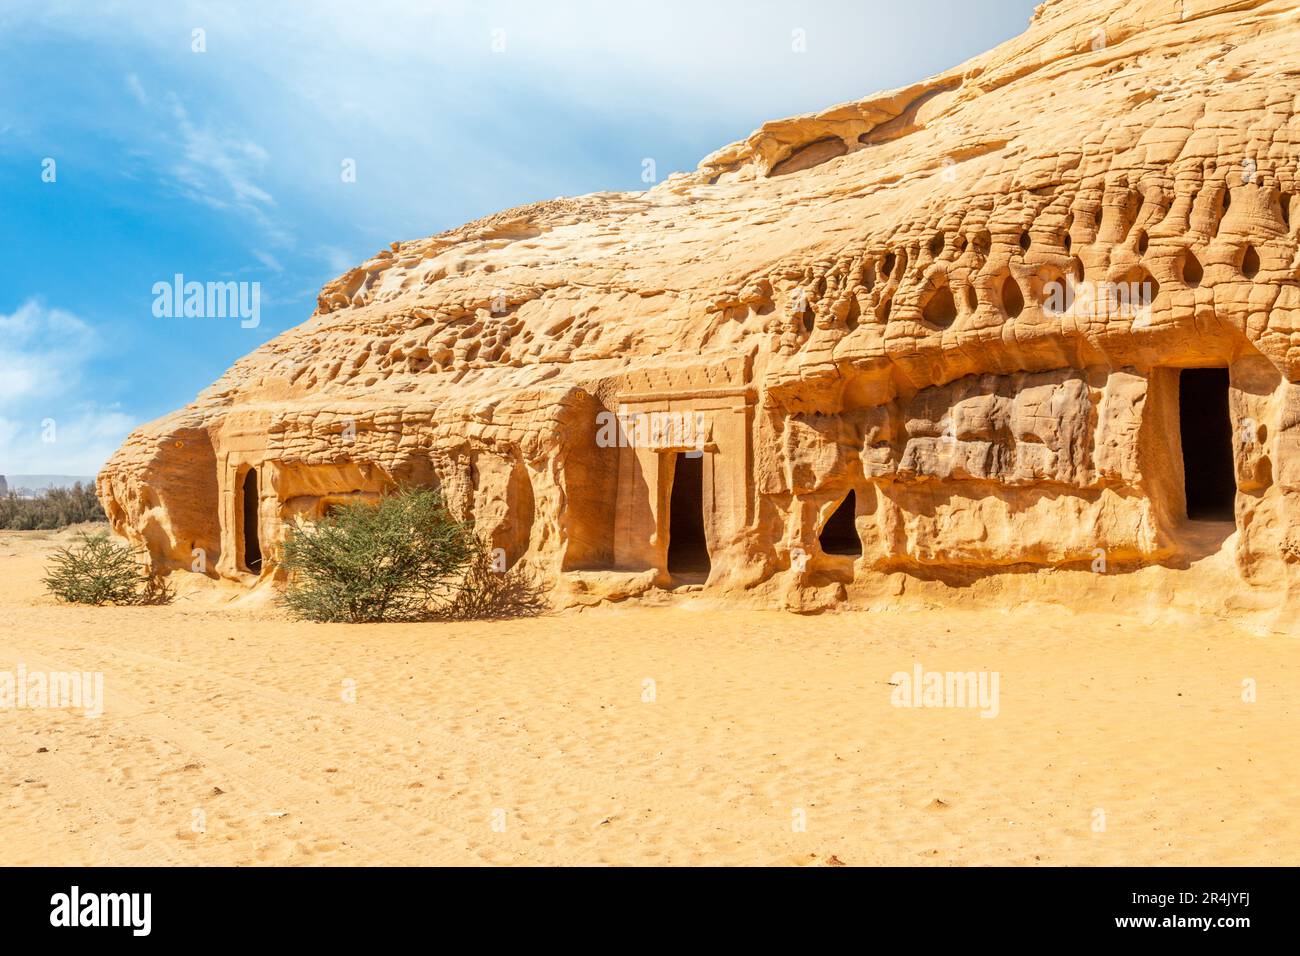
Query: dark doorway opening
[252, 544]
[1206, 431]
[688, 553]
[840, 533]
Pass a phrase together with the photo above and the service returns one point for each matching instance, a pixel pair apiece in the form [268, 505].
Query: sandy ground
[229, 737]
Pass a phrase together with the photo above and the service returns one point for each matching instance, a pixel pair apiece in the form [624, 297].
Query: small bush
[52, 508]
[394, 560]
[486, 590]
[101, 571]
[404, 558]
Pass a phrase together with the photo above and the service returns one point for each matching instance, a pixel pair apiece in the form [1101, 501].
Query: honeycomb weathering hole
[1250, 263]
[1058, 292]
[1224, 205]
[1143, 287]
[941, 310]
[1013, 300]
[1192, 270]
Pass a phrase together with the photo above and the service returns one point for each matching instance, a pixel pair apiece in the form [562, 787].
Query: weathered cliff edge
[922, 299]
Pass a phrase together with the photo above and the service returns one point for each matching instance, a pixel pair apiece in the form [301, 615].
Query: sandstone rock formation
[940, 334]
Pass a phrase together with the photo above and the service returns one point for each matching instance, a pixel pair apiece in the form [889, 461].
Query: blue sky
[226, 164]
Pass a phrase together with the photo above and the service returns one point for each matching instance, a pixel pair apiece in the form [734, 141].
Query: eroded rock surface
[967, 303]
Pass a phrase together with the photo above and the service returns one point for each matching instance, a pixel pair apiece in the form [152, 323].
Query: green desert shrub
[393, 560]
[52, 508]
[99, 570]
[402, 558]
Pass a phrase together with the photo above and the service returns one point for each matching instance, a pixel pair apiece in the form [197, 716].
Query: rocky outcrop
[944, 326]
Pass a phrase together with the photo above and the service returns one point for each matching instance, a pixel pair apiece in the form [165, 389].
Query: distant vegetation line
[52, 508]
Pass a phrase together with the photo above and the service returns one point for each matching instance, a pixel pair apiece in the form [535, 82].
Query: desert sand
[528, 741]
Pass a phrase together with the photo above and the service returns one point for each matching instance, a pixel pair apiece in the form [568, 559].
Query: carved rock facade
[965, 308]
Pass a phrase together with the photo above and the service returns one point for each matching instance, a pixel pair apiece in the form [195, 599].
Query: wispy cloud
[136, 89]
[338, 260]
[219, 167]
[51, 419]
[268, 260]
[38, 348]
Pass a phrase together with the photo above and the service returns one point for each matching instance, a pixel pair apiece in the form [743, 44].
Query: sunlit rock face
[939, 334]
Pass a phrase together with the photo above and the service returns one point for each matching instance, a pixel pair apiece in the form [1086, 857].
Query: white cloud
[136, 89]
[219, 167]
[39, 347]
[77, 445]
[51, 422]
[339, 260]
[421, 81]
[268, 260]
